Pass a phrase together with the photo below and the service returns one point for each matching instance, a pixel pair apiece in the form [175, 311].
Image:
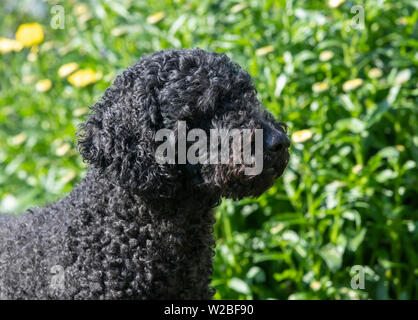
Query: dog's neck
[159, 243]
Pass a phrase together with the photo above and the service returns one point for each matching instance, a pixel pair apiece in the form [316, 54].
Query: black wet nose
[276, 140]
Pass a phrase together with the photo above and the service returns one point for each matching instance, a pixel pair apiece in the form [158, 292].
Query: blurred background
[341, 74]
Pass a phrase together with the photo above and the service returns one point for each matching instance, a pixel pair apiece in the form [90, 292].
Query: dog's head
[140, 133]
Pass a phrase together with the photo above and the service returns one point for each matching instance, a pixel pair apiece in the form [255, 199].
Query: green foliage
[349, 195]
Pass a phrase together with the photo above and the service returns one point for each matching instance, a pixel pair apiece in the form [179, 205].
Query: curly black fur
[135, 229]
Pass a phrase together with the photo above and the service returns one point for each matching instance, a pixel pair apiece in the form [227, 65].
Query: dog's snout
[276, 140]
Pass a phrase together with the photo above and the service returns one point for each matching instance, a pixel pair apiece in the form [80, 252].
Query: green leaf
[257, 274]
[239, 285]
[332, 255]
[287, 274]
[389, 153]
[354, 125]
[356, 241]
[386, 175]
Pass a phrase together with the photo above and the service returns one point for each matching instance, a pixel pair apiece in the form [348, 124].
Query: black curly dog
[134, 228]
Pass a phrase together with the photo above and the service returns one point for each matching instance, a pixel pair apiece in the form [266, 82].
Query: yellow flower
[326, 55]
[30, 34]
[43, 85]
[7, 45]
[19, 139]
[66, 69]
[335, 3]
[357, 168]
[352, 84]
[80, 9]
[156, 17]
[84, 77]
[403, 76]
[375, 73]
[264, 50]
[62, 149]
[239, 7]
[80, 111]
[320, 87]
[301, 136]
[315, 285]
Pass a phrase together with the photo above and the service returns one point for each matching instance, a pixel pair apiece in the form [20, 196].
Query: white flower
[403, 76]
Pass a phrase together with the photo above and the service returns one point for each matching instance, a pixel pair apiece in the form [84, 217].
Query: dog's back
[29, 248]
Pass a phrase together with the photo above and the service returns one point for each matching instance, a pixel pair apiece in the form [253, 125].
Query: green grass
[349, 196]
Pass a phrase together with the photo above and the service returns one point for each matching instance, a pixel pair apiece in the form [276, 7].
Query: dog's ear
[94, 144]
[118, 138]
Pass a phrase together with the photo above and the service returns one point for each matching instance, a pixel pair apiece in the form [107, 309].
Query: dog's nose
[276, 140]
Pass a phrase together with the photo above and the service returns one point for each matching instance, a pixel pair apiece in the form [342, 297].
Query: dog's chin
[240, 185]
